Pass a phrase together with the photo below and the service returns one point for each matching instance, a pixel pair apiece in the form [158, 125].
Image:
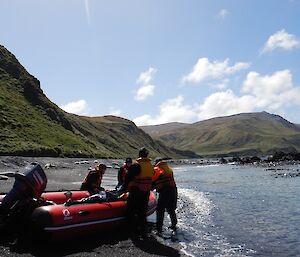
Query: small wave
[76, 183]
[208, 165]
[197, 233]
[188, 167]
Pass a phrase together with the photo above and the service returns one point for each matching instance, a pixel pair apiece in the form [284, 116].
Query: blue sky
[156, 61]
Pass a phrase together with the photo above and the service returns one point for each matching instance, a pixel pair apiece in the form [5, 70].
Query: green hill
[241, 134]
[31, 125]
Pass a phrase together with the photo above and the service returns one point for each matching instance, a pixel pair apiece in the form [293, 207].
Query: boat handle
[68, 194]
[83, 213]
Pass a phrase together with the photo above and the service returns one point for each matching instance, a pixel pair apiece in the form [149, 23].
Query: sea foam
[197, 233]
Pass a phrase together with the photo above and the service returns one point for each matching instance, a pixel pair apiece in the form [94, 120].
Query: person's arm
[92, 180]
[120, 179]
[157, 172]
[133, 171]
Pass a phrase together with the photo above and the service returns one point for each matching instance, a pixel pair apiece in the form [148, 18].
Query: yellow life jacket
[143, 181]
[163, 176]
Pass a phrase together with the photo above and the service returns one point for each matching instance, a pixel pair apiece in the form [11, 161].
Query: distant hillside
[241, 134]
[31, 125]
[157, 130]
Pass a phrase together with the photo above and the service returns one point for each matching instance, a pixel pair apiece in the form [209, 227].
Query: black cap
[128, 160]
[143, 152]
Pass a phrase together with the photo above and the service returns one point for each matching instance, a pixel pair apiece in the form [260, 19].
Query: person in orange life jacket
[164, 183]
[93, 180]
[123, 171]
[138, 182]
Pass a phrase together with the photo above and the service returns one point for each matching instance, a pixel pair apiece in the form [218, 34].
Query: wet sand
[67, 174]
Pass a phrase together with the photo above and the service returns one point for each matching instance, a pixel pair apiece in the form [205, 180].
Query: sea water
[229, 210]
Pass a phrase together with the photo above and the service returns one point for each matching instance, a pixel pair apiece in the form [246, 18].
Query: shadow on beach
[152, 246]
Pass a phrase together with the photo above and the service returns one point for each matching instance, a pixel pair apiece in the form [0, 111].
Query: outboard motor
[28, 184]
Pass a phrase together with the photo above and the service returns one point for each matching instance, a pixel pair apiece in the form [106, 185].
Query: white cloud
[115, 111]
[171, 110]
[144, 120]
[274, 93]
[221, 85]
[281, 39]
[223, 13]
[204, 69]
[79, 107]
[146, 89]
[87, 11]
[264, 86]
[225, 103]
[146, 77]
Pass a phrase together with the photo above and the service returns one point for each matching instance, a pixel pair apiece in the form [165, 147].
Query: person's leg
[142, 213]
[173, 218]
[160, 213]
[132, 202]
[171, 206]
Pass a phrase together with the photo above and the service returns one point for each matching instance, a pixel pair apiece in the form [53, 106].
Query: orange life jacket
[163, 176]
[143, 181]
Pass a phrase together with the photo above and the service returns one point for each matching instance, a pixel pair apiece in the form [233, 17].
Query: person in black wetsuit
[164, 183]
[138, 182]
[123, 171]
[93, 180]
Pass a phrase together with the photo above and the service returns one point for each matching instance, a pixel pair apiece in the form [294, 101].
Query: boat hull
[60, 222]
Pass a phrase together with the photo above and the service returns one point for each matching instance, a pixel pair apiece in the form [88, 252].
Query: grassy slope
[253, 133]
[156, 130]
[118, 135]
[27, 128]
[30, 124]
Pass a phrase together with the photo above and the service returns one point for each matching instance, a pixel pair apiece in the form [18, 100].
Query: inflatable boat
[63, 215]
[82, 217]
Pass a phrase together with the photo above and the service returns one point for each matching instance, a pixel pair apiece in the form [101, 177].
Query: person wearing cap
[93, 180]
[138, 183]
[123, 171]
[164, 183]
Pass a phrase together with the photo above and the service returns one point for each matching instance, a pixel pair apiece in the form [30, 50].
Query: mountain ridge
[255, 133]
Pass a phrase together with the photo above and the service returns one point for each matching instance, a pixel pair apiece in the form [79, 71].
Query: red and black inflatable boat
[69, 214]
[61, 221]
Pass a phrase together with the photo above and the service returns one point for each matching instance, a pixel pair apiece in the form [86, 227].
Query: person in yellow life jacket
[93, 180]
[164, 183]
[123, 171]
[138, 183]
